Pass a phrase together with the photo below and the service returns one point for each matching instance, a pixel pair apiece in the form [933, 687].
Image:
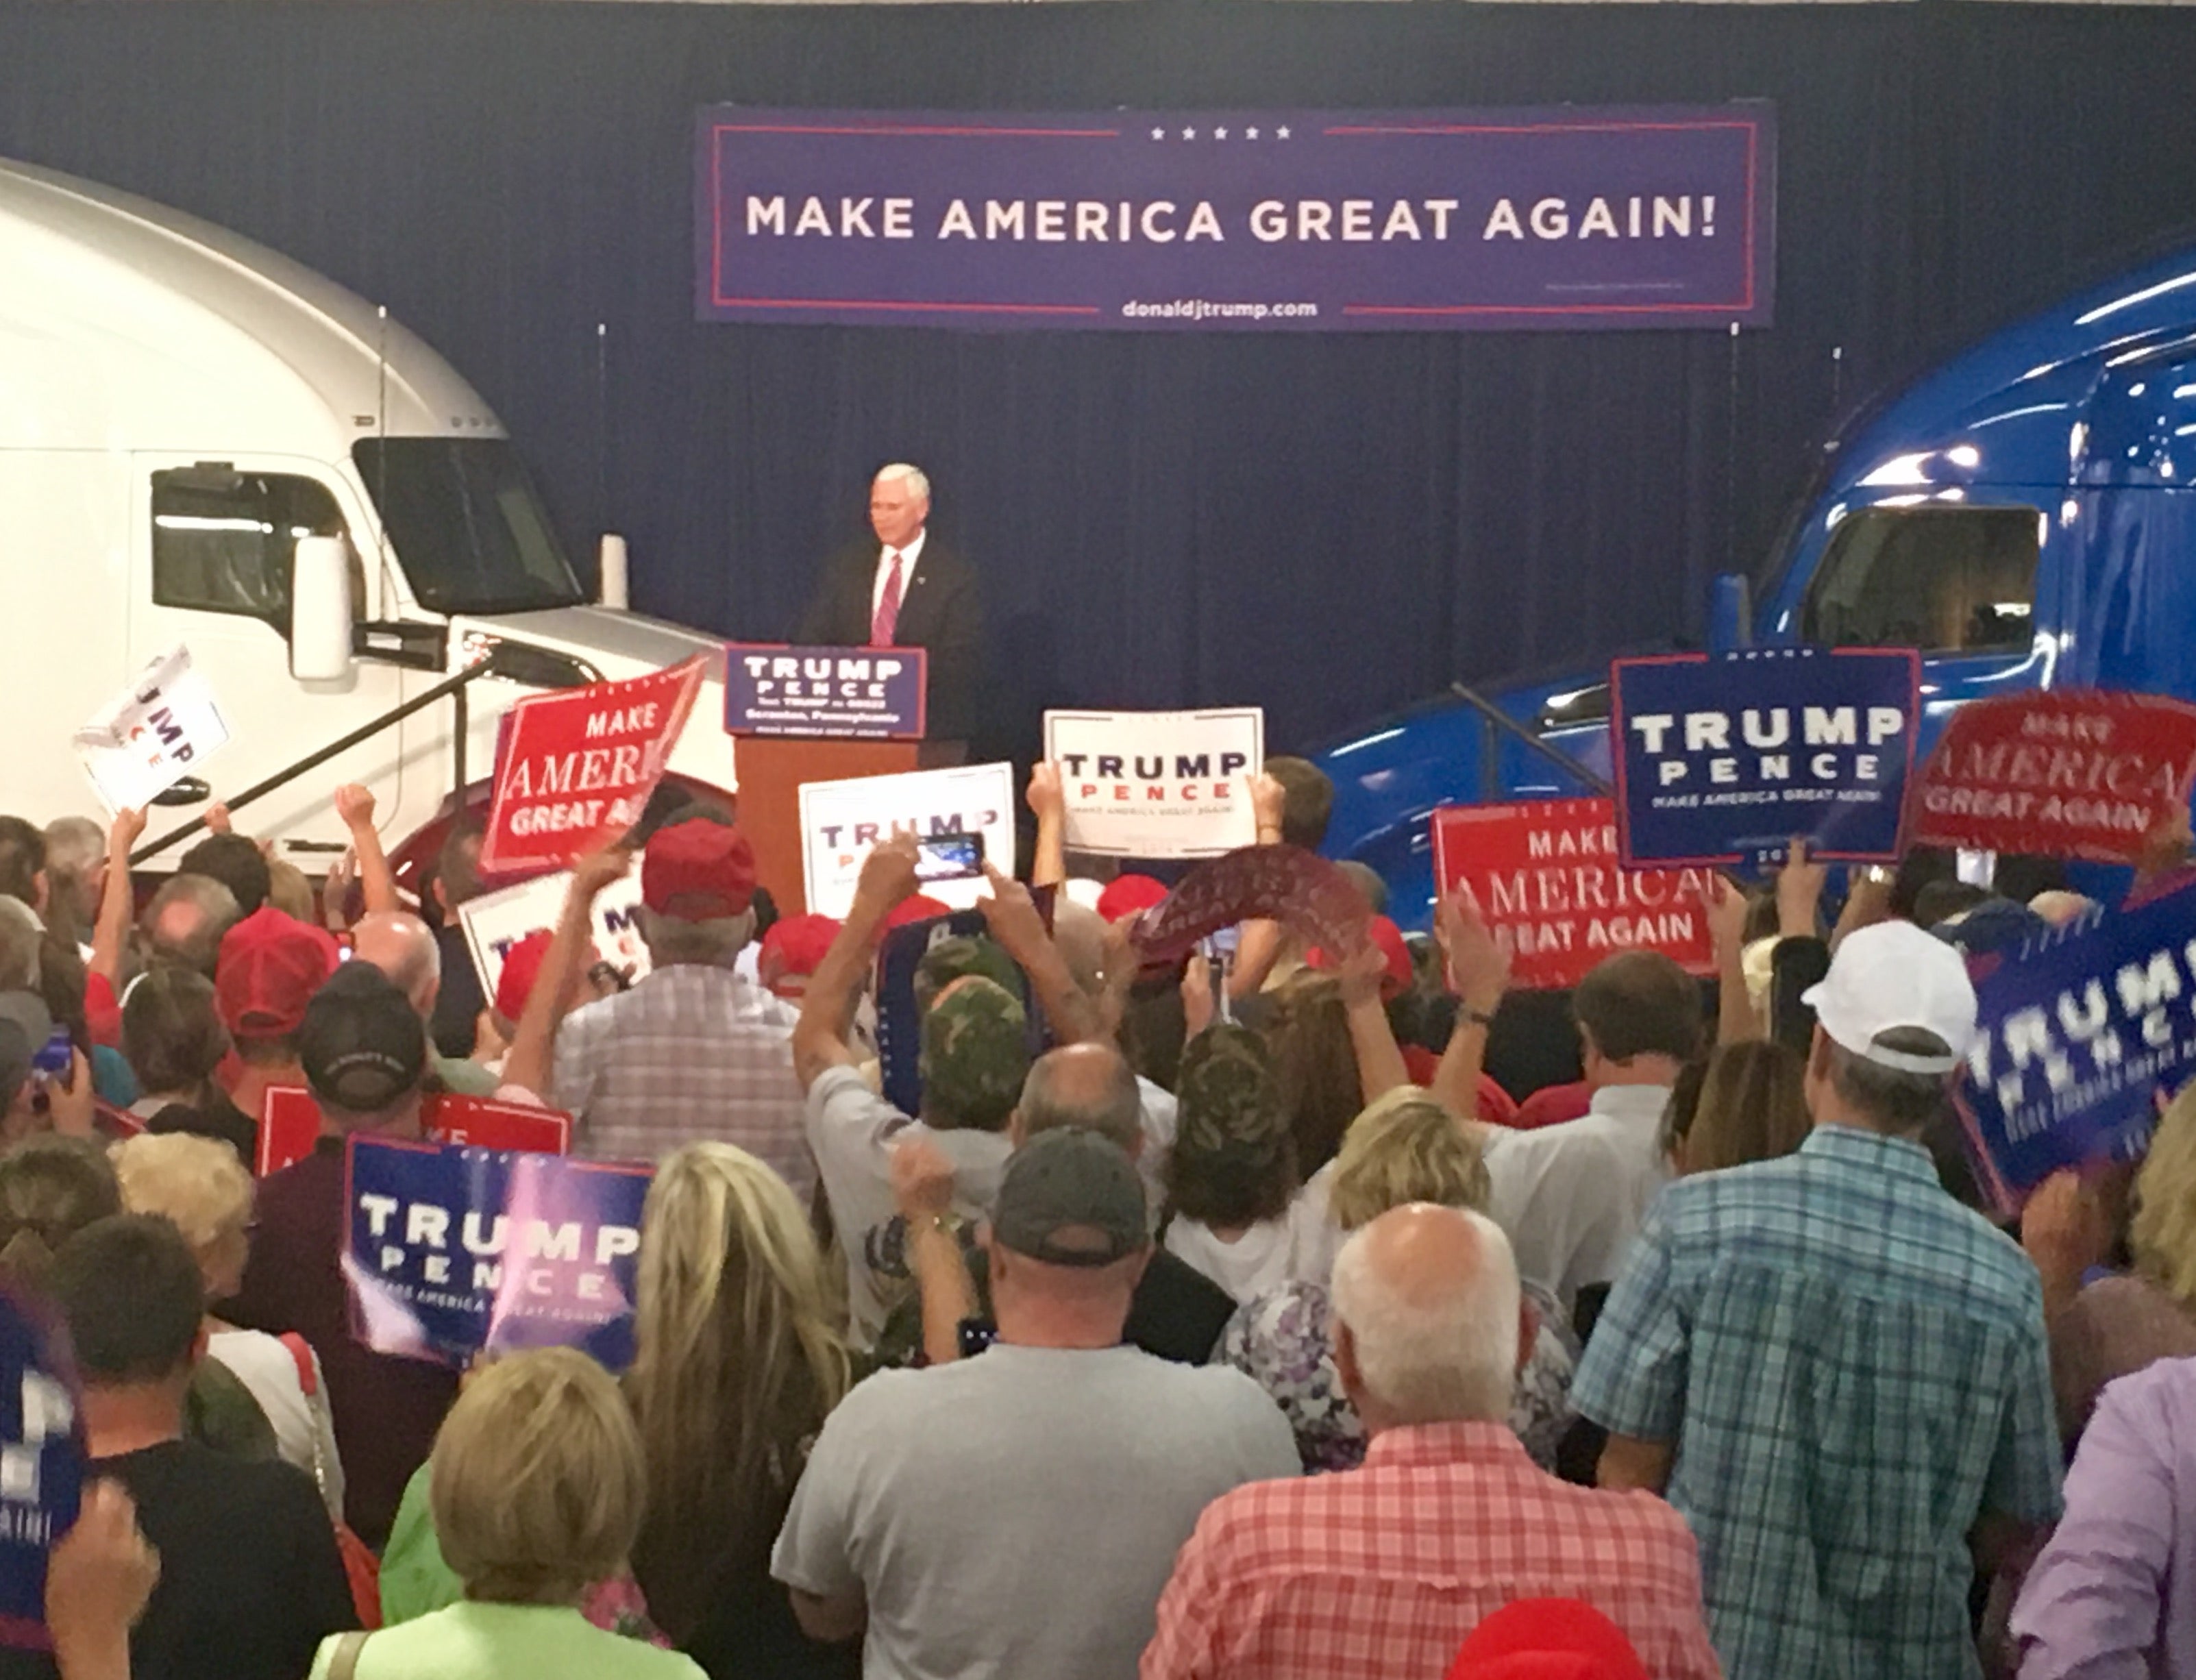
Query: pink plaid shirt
[1378, 1574]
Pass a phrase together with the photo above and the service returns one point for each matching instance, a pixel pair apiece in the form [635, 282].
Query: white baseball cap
[1895, 975]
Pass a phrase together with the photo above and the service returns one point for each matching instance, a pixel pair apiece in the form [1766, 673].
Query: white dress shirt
[909, 555]
[1571, 1196]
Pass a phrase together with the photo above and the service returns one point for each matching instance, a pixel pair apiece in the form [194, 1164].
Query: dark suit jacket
[941, 612]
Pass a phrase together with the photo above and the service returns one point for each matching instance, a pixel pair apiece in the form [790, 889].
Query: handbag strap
[302, 1352]
[344, 1666]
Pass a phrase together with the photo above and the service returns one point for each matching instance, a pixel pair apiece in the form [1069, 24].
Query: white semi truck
[181, 412]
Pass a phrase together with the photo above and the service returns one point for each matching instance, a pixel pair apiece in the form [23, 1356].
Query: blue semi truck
[2026, 515]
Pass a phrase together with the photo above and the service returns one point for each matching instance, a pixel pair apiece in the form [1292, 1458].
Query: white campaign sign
[496, 922]
[1158, 784]
[841, 821]
[160, 729]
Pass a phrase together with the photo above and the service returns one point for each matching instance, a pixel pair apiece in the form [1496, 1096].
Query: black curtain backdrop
[1328, 524]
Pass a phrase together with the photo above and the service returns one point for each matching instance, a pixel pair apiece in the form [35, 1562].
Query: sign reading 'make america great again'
[1237, 220]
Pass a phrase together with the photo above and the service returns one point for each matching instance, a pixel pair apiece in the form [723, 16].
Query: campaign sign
[2070, 773]
[487, 1123]
[1158, 784]
[899, 1022]
[1299, 889]
[160, 729]
[42, 1462]
[453, 1252]
[289, 1126]
[1724, 759]
[496, 922]
[2078, 1031]
[1552, 893]
[576, 769]
[1233, 221]
[841, 822]
[838, 694]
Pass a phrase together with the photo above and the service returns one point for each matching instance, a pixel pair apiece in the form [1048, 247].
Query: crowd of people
[1282, 1313]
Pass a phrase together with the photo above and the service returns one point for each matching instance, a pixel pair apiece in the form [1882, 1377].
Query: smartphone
[1223, 942]
[954, 857]
[56, 1056]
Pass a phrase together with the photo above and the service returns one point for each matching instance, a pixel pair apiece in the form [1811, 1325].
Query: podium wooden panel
[772, 769]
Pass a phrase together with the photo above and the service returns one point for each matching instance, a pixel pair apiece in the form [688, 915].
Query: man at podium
[905, 589]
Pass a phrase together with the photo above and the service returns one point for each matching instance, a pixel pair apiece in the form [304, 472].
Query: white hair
[917, 482]
[715, 944]
[1445, 1355]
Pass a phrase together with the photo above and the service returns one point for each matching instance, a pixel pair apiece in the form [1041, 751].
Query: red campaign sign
[483, 1122]
[2072, 773]
[1303, 891]
[574, 769]
[1549, 886]
[289, 1126]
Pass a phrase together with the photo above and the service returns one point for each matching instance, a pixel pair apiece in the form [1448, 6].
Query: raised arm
[827, 1009]
[1479, 969]
[1048, 805]
[1380, 1065]
[1260, 946]
[1737, 1018]
[532, 1062]
[116, 897]
[1011, 914]
[923, 1190]
[377, 881]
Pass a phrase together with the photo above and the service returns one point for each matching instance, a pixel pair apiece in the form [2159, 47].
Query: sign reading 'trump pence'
[842, 822]
[843, 693]
[1158, 784]
[1723, 760]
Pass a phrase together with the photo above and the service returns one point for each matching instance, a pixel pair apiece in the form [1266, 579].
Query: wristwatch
[1479, 1017]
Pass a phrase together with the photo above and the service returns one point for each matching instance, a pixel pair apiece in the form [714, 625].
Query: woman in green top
[536, 1485]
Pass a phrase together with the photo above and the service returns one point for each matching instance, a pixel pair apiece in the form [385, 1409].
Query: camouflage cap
[958, 957]
[975, 1056]
[1229, 1101]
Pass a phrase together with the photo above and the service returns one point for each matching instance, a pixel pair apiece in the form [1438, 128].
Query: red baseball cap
[792, 950]
[522, 967]
[697, 871]
[1384, 934]
[920, 908]
[1125, 895]
[269, 968]
[1547, 1639]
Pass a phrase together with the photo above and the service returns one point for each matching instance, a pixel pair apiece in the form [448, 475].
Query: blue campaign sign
[846, 694]
[1724, 759]
[41, 1464]
[899, 1022]
[455, 1251]
[2077, 1032]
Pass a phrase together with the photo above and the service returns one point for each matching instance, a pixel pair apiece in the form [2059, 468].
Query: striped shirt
[691, 1053]
[1853, 1368]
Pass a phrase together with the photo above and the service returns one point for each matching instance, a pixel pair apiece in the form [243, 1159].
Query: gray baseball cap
[1071, 1197]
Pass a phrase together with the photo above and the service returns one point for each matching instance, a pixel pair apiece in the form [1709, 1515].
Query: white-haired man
[404, 948]
[1382, 1571]
[902, 588]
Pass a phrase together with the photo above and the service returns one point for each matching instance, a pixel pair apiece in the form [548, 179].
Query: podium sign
[832, 694]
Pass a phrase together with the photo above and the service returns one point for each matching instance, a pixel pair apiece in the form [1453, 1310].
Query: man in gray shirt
[1017, 1513]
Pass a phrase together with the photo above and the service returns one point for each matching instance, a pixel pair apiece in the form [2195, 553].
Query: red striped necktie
[886, 619]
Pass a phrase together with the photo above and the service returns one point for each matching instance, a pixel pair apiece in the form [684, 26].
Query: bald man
[902, 588]
[1379, 1572]
[405, 948]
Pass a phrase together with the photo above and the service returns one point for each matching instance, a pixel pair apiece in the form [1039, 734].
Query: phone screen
[948, 857]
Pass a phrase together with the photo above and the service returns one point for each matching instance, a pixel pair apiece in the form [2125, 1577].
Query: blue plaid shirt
[1852, 1366]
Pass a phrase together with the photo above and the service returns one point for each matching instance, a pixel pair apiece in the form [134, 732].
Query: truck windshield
[470, 530]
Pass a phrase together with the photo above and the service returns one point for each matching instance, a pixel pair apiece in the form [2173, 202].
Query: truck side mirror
[1731, 613]
[320, 611]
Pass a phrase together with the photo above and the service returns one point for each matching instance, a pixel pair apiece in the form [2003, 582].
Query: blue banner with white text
[1174, 221]
[2078, 1032]
[1725, 758]
[455, 1251]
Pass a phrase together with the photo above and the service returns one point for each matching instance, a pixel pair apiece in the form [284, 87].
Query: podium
[815, 714]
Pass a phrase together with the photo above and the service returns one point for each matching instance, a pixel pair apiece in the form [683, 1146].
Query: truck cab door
[209, 568]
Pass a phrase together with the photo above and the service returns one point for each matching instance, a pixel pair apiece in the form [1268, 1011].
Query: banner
[496, 922]
[2064, 774]
[1723, 760]
[163, 727]
[1286, 883]
[841, 821]
[42, 1462]
[1554, 895]
[1272, 221]
[454, 1252]
[2079, 1029]
[839, 694]
[577, 768]
[1158, 784]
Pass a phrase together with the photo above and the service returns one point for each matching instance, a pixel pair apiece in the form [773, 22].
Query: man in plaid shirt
[1838, 1372]
[1379, 1573]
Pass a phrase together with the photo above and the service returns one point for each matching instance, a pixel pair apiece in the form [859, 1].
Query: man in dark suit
[904, 589]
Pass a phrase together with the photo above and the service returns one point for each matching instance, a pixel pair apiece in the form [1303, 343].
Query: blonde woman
[1405, 1147]
[742, 1351]
[198, 1185]
[537, 1488]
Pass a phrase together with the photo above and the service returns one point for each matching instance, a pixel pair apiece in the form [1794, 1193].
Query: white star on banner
[1189, 134]
[1249, 133]
[1282, 132]
[1158, 134]
[1220, 134]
